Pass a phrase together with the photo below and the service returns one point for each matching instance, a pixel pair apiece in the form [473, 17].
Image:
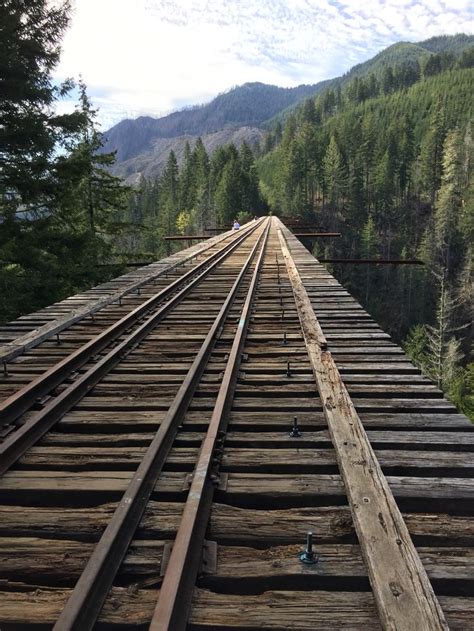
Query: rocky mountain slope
[150, 163]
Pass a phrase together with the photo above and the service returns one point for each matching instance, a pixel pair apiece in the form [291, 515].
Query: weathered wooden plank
[276, 610]
[160, 520]
[232, 524]
[240, 459]
[462, 441]
[274, 486]
[228, 523]
[304, 611]
[403, 593]
[242, 563]
[27, 558]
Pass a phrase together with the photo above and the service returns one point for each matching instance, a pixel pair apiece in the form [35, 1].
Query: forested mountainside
[143, 144]
[248, 105]
[150, 164]
[404, 56]
[388, 163]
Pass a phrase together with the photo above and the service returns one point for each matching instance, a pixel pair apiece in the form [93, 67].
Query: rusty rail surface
[91, 590]
[172, 609]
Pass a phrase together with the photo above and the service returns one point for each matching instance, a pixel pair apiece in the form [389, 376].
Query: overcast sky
[154, 56]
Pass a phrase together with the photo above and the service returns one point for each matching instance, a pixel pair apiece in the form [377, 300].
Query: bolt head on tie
[5, 369]
[288, 369]
[58, 339]
[295, 430]
[285, 341]
[308, 556]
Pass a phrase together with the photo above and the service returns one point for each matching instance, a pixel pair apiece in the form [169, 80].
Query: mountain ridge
[251, 106]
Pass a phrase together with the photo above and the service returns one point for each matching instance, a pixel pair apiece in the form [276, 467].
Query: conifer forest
[384, 158]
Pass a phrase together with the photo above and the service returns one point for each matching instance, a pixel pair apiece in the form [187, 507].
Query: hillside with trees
[248, 105]
[143, 144]
[387, 161]
[204, 192]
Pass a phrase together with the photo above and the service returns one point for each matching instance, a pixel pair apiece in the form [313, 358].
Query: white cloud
[151, 56]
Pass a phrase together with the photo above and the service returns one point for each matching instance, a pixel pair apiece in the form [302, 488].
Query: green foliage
[387, 162]
[57, 201]
[415, 346]
[461, 390]
[201, 194]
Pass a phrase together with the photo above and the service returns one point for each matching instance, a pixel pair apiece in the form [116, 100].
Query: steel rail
[88, 596]
[34, 428]
[23, 399]
[19, 345]
[172, 609]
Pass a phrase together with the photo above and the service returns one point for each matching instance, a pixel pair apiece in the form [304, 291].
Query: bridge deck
[211, 353]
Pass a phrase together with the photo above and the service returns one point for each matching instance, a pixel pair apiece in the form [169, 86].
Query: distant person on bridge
[236, 225]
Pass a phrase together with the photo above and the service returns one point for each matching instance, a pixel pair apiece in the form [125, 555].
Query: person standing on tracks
[236, 225]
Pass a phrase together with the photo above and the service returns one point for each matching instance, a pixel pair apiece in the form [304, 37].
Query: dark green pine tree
[169, 196]
[84, 183]
[30, 36]
[42, 259]
[203, 206]
[249, 181]
[228, 196]
[188, 180]
[431, 152]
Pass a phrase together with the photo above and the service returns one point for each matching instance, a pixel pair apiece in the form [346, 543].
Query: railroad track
[164, 464]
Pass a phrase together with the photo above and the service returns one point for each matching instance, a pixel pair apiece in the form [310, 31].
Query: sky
[150, 57]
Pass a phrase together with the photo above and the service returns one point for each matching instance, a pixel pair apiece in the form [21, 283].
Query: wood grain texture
[403, 593]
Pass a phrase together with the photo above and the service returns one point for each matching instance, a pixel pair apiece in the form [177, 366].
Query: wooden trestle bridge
[226, 440]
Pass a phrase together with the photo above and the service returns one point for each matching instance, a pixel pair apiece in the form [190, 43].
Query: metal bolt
[58, 340]
[285, 341]
[120, 301]
[5, 369]
[295, 430]
[288, 369]
[308, 556]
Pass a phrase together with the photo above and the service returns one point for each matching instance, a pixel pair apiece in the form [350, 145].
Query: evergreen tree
[84, 183]
[228, 195]
[432, 151]
[334, 174]
[169, 196]
[203, 186]
[30, 36]
[188, 179]
[46, 249]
